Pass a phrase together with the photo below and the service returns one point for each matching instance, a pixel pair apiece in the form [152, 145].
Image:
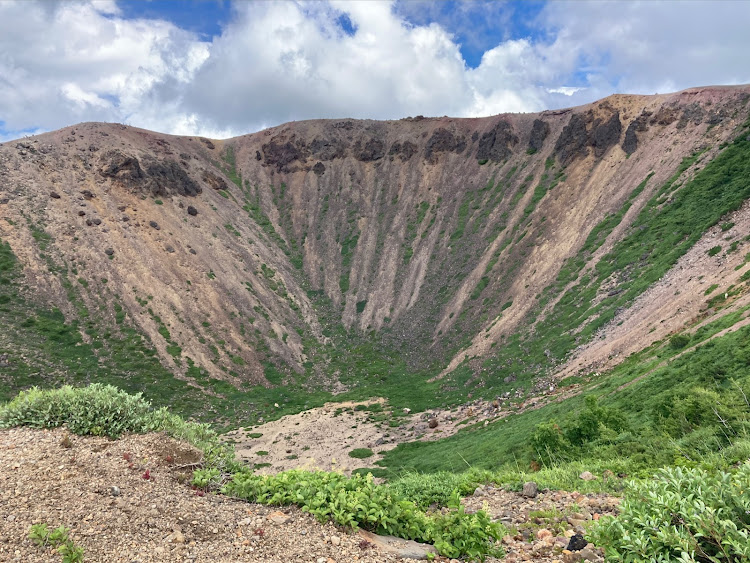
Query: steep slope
[466, 256]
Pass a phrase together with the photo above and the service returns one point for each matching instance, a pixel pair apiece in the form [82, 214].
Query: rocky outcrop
[539, 132]
[638, 125]
[441, 141]
[155, 177]
[496, 145]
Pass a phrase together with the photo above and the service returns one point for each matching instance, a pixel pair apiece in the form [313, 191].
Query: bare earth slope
[259, 260]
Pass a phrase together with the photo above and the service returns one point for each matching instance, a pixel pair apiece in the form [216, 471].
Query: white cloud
[61, 63]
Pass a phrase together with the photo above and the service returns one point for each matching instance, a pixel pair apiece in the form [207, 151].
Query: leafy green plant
[714, 250]
[682, 515]
[358, 502]
[361, 453]
[57, 539]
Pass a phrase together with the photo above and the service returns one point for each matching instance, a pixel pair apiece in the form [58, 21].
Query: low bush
[358, 502]
[682, 515]
[105, 410]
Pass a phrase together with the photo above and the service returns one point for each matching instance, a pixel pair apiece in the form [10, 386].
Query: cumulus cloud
[61, 63]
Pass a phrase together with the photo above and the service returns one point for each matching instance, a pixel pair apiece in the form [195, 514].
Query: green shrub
[358, 502]
[436, 489]
[361, 453]
[101, 410]
[58, 539]
[714, 250]
[679, 341]
[104, 410]
[682, 515]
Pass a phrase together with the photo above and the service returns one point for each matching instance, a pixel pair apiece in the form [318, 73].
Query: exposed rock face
[373, 150]
[573, 141]
[638, 125]
[496, 145]
[281, 153]
[386, 231]
[404, 150]
[539, 132]
[441, 141]
[606, 134]
[160, 178]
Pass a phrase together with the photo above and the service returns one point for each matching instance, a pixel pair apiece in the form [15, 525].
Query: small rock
[479, 491]
[125, 218]
[4, 201]
[433, 423]
[81, 213]
[54, 195]
[170, 248]
[155, 225]
[278, 517]
[587, 476]
[192, 251]
[577, 543]
[97, 221]
[588, 554]
[570, 557]
[114, 491]
[109, 252]
[192, 210]
[530, 489]
[335, 540]
[543, 533]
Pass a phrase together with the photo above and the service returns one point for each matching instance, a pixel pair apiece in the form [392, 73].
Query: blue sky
[221, 68]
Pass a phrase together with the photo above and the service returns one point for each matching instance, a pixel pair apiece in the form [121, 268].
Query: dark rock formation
[639, 124]
[665, 116]
[495, 145]
[319, 168]
[606, 134]
[404, 150]
[539, 132]
[692, 113]
[327, 149]
[280, 153]
[573, 140]
[374, 150]
[160, 178]
[192, 210]
[214, 181]
[443, 140]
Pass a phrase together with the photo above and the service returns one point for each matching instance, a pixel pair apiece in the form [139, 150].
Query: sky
[221, 68]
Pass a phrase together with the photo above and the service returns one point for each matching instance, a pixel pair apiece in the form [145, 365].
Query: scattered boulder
[192, 210]
[54, 195]
[170, 248]
[530, 489]
[407, 549]
[192, 251]
[433, 422]
[154, 225]
[587, 476]
[109, 252]
[125, 218]
[319, 168]
[88, 194]
[97, 221]
[81, 213]
[577, 543]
